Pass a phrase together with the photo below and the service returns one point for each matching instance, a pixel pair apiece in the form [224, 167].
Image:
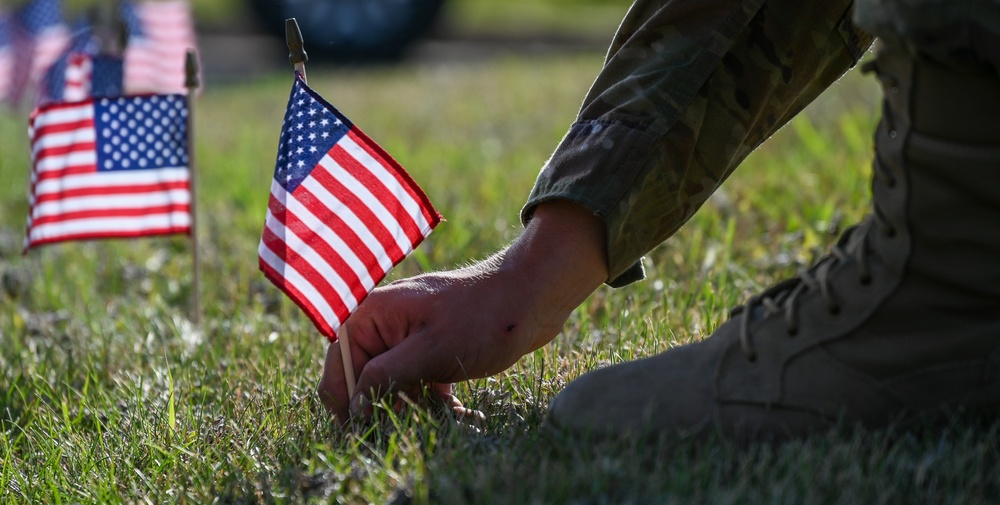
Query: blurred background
[243, 37]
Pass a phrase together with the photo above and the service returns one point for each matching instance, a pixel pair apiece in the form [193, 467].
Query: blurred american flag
[39, 37]
[159, 36]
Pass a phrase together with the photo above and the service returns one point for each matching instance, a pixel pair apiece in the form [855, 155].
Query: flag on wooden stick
[342, 213]
[108, 168]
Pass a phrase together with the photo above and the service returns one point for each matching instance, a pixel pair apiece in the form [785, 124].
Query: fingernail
[355, 404]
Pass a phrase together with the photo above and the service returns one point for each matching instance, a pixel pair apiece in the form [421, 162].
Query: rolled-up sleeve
[689, 88]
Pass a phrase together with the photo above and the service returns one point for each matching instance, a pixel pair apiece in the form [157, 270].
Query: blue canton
[310, 130]
[141, 132]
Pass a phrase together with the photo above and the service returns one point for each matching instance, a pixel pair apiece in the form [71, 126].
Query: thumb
[400, 368]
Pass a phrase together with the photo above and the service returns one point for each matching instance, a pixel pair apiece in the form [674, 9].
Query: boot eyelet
[792, 331]
[752, 358]
[892, 134]
[890, 232]
[865, 280]
[834, 310]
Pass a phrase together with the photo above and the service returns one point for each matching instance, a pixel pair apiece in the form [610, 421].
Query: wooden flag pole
[191, 83]
[297, 56]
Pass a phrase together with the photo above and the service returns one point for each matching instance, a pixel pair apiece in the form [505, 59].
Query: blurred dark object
[355, 31]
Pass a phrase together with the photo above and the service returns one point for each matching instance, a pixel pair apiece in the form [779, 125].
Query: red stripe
[108, 234]
[322, 175]
[393, 167]
[326, 216]
[295, 261]
[59, 174]
[136, 189]
[111, 213]
[333, 258]
[49, 152]
[388, 200]
[324, 328]
[63, 127]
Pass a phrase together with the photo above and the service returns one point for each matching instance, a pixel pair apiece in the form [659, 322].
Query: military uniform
[901, 320]
[691, 87]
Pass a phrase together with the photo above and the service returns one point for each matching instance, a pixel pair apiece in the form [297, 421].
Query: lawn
[109, 394]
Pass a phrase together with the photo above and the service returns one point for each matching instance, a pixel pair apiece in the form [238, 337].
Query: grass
[108, 394]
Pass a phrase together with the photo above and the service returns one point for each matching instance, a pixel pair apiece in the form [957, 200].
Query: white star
[312, 136]
[301, 163]
[312, 149]
[298, 114]
[312, 124]
[326, 134]
[298, 126]
[337, 122]
[299, 151]
[312, 112]
[324, 122]
[302, 102]
[299, 138]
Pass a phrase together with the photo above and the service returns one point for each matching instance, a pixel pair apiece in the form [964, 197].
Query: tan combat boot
[900, 321]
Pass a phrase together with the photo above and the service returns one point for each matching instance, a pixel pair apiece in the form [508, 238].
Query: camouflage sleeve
[689, 88]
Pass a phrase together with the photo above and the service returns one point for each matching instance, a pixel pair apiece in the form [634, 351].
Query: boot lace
[783, 298]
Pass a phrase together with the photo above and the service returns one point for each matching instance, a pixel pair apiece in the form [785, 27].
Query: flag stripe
[403, 179]
[303, 259]
[389, 205]
[325, 236]
[112, 213]
[347, 224]
[274, 269]
[274, 251]
[359, 206]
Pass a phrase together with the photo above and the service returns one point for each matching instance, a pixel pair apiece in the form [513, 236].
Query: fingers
[406, 366]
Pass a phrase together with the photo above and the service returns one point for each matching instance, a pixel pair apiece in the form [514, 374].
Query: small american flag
[108, 168]
[341, 215]
[40, 37]
[159, 36]
[81, 72]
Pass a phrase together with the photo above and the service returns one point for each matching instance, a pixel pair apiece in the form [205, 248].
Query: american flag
[40, 37]
[108, 168]
[159, 36]
[81, 72]
[341, 215]
[6, 58]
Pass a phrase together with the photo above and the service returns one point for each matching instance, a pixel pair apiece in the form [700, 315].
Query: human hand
[435, 329]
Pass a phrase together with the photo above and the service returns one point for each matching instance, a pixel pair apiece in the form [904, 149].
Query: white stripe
[112, 179]
[110, 225]
[352, 221]
[309, 255]
[110, 202]
[63, 139]
[395, 188]
[73, 159]
[307, 290]
[332, 240]
[64, 115]
[369, 200]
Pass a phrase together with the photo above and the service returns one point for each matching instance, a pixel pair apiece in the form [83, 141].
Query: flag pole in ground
[191, 83]
[297, 56]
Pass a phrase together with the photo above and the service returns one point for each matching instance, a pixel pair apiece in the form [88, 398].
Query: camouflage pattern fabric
[950, 32]
[689, 88]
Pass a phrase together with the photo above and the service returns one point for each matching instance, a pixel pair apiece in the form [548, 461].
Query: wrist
[561, 257]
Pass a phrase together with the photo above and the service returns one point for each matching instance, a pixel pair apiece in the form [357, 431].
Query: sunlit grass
[108, 393]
